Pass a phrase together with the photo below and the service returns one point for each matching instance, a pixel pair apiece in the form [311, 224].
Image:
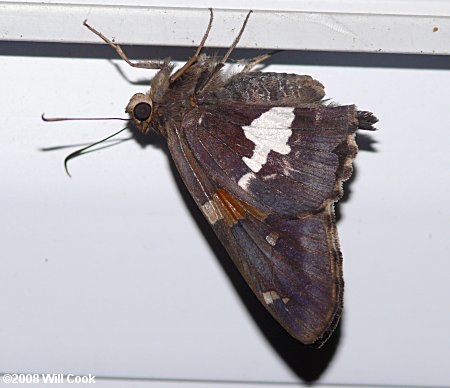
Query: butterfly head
[140, 109]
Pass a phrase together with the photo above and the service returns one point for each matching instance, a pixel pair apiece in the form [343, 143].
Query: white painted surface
[107, 272]
[371, 26]
[112, 383]
[395, 7]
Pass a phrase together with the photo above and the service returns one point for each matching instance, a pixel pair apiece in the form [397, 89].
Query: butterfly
[264, 156]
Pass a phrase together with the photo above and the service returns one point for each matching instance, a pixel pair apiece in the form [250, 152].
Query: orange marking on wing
[231, 205]
[234, 209]
[255, 212]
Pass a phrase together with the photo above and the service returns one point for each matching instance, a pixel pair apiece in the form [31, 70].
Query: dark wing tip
[366, 120]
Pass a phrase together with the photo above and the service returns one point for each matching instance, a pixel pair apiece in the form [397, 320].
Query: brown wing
[315, 158]
[292, 264]
[266, 178]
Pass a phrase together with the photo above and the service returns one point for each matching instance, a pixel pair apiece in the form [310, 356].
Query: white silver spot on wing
[269, 132]
[268, 177]
[245, 180]
[270, 296]
[272, 238]
[211, 212]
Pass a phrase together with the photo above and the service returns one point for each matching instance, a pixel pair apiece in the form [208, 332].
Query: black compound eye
[142, 111]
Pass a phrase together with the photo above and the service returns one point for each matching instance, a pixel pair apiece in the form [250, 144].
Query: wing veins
[317, 179]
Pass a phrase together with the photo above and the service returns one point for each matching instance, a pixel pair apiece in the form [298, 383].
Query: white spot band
[269, 132]
[245, 180]
[270, 296]
[272, 238]
[211, 212]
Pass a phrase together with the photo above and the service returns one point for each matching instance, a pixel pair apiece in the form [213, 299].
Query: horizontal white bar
[296, 30]
[391, 7]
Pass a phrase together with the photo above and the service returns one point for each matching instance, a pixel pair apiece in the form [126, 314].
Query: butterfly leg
[194, 58]
[141, 64]
[252, 62]
[201, 87]
[236, 40]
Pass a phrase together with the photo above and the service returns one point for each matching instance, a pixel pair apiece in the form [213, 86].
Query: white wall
[111, 272]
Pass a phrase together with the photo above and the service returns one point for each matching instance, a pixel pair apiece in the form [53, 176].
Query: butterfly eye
[142, 111]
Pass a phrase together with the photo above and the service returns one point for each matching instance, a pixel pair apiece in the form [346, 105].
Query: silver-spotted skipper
[264, 157]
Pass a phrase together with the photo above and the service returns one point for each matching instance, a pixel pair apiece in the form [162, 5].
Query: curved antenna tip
[81, 151]
[67, 168]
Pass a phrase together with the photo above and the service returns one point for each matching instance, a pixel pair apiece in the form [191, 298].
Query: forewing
[283, 160]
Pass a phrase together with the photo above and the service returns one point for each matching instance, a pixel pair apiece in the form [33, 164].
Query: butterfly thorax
[167, 101]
